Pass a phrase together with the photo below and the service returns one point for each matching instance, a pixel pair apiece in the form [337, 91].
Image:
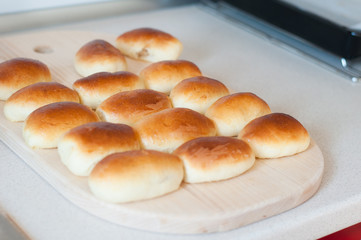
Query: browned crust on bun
[197, 93]
[97, 87]
[17, 73]
[164, 75]
[275, 135]
[214, 158]
[130, 106]
[149, 44]
[24, 101]
[45, 126]
[232, 112]
[168, 129]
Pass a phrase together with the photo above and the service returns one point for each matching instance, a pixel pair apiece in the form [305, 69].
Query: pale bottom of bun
[39, 141]
[17, 113]
[112, 118]
[196, 175]
[5, 93]
[138, 176]
[86, 69]
[91, 101]
[81, 164]
[167, 146]
[136, 190]
[267, 150]
[229, 127]
[142, 52]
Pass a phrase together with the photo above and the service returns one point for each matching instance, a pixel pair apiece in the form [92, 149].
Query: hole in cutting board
[43, 49]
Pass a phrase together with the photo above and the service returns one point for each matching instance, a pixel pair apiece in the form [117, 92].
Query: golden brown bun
[84, 146]
[163, 76]
[275, 135]
[46, 125]
[231, 113]
[136, 175]
[168, 129]
[149, 45]
[197, 93]
[99, 56]
[97, 87]
[208, 159]
[130, 106]
[17, 73]
[26, 100]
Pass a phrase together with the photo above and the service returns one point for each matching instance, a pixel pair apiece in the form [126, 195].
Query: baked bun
[26, 100]
[197, 93]
[275, 135]
[84, 146]
[207, 159]
[163, 76]
[168, 129]
[17, 73]
[149, 45]
[231, 113]
[99, 56]
[97, 87]
[136, 175]
[46, 125]
[130, 106]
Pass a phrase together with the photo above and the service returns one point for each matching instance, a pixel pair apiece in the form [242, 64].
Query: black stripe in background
[321, 32]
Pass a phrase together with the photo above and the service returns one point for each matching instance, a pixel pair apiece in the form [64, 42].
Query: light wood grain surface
[268, 188]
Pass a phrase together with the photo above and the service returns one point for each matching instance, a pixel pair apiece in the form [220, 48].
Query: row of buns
[98, 55]
[145, 44]
[138, 137]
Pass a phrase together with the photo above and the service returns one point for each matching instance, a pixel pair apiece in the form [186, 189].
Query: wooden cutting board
[270, 187]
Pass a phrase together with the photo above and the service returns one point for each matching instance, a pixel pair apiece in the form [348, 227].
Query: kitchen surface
[323, 100]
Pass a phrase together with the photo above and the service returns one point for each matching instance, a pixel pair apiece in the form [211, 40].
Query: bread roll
[17, 73]
[130, 106]
[197, 93]
[163, 76]
[207, 159]
[46, 125]
[275, 135]
[231, 113]
[135, 175]
[26, 100]
[97, 87]
[168, 129]
[149, 45]
[84, 146]
[99, 56]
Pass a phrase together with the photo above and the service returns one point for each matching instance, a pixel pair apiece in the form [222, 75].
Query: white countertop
[327, 104]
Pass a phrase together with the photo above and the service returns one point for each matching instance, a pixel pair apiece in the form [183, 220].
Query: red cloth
[350, 233]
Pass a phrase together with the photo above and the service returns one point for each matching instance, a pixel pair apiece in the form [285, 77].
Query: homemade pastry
[84, 146]
[17, 73]
[130, 106]
[197, 93]
[231, 113]
[99, 56]
[275, 135]
[136, 175]
[149, 45]
[46, 125]
[207, 159]
[163, 76]
[97, 87]
[26, 100]
[168, 129]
